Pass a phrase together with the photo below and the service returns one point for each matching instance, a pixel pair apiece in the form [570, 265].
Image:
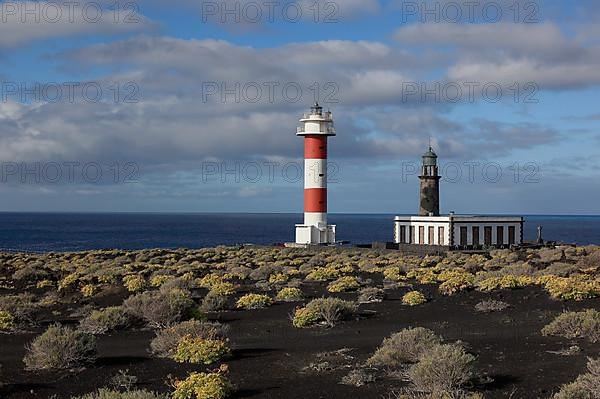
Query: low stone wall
[415, 249]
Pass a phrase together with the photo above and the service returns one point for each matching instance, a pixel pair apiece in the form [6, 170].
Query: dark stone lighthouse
[430, 185]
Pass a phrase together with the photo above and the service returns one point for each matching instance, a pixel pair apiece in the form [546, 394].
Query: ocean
[87, 231]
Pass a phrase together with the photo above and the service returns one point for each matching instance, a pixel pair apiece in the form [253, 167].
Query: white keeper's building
[459, 231]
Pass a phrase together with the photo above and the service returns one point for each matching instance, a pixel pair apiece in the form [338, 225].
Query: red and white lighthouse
[316, 127]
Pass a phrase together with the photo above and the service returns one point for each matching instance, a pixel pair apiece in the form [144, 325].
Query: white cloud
[28, 21]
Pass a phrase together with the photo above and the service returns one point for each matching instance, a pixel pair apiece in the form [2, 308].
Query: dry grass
[60, 348]
[444, 368]
[159, 309]
[586, 386]
[104, 320]
[585, 324]
[404, 347]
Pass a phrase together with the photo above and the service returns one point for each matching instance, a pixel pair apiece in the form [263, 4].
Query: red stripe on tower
[315, 200]
[315, 147]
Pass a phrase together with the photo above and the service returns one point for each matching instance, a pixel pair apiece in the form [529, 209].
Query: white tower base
[313, 235]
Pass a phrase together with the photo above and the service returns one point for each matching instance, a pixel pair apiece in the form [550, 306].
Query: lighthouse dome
[430, 158]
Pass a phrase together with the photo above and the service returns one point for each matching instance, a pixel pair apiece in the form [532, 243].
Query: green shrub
[584, 324]
[60, 348]
[342, 284]
[104, 320]
[166, 340]
[290, 294]
[573, 390]
[442, 369]
[404, 347]
[7, 321]
[413, 298]
[111, 394]
[326, 310]
[253, 301]
[203, 386]
[20, 306]
[214, 302]
[200, 350]
[161, 308]
[586, 386]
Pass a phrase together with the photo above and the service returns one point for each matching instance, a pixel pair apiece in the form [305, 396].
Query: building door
[487, 235]
[463, 236]
[421, 235]
[475, 236]
[412, 234]
[431, 235]
[500, 235]
[511, 235]
[441, 240]
[402, 234]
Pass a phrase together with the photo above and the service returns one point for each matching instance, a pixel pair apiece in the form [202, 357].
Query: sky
[192, 106]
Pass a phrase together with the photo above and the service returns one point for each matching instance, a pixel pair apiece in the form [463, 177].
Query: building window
[475, 235]
[412, 234]
[500, 235]
[431, 235]
[402, 234]
[487, 235]
[511, 235]
[463, 236]
[421, 235]
[441, 240]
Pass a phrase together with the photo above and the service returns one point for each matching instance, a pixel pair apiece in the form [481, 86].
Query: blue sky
[160, 136]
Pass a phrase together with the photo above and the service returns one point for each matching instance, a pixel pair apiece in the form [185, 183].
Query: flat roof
[458, 218]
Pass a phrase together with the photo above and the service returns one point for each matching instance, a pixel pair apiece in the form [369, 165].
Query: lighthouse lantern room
[316, 127]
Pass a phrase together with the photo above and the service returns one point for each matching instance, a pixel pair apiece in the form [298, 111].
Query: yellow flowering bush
[134, 282]
[89, 290]
[413, 298]
[44, 284]
[224, 288]
[306, 317]
[326, 310]
[278, 278]
[504, 282]
[455, 281]
[68, 281]
[323, 274]
[346, 283]
[289, 294]
[394, 274]
[200, 350]
[158, 280]
[253, 301]
[7, 320]
[574, 287]
[210, 280]
[423, 275]
[203, 386]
